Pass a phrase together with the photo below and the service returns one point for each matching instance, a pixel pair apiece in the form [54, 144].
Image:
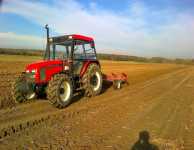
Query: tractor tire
[17, 94]
[60, 91]
[92, 81]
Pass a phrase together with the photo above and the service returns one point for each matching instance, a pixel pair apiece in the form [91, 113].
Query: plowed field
[159, 99]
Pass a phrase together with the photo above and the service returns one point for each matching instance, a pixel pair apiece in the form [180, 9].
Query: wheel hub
[95, 81]
[64, 91]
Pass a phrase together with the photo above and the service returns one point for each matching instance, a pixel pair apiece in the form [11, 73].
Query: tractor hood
[43, 71]
[43, 64]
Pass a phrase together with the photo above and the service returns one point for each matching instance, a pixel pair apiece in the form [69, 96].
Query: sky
[148, 28]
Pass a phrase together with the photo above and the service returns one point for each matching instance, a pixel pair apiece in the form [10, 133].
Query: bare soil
[159, 99]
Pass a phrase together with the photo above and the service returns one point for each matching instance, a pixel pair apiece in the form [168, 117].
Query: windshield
[58, 52]
[61, 52]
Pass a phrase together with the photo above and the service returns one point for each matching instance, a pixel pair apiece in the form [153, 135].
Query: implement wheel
[117, 84]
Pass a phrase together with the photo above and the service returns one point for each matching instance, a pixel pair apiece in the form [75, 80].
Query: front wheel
[22, 89]
[59, 91]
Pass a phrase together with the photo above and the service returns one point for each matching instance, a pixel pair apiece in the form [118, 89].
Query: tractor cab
[74, 50]
[72, 47]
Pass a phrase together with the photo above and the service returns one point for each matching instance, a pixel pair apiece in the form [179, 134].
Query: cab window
[79, 52]
[89, 51]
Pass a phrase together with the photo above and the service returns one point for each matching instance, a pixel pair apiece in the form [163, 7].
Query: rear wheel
[59, 91]
[22, 90]
[92, 80]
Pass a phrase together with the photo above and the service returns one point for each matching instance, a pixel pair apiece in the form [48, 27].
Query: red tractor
[70, 64]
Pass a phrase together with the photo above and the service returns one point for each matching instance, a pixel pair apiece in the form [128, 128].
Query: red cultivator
[117, 79]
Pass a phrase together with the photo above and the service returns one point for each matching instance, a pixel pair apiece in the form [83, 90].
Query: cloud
[140, 30]
[12, 40]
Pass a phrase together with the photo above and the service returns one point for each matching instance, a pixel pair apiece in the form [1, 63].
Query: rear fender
[85, 66]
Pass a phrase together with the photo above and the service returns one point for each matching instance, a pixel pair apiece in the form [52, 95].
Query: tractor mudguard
[85, 66]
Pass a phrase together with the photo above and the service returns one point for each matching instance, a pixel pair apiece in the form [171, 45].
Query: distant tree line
[144, 59]
[32, 52]
[28, 52]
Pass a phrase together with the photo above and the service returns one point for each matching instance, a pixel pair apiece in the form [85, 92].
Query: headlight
[33, 71]
[66, 68]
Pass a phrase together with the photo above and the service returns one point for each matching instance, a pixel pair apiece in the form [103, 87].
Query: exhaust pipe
[47, 32]
[47, 43]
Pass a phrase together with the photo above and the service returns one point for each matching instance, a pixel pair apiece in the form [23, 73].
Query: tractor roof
[81, 37]
[59, 39]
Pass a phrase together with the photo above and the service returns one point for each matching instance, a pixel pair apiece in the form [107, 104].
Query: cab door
[79, 58]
